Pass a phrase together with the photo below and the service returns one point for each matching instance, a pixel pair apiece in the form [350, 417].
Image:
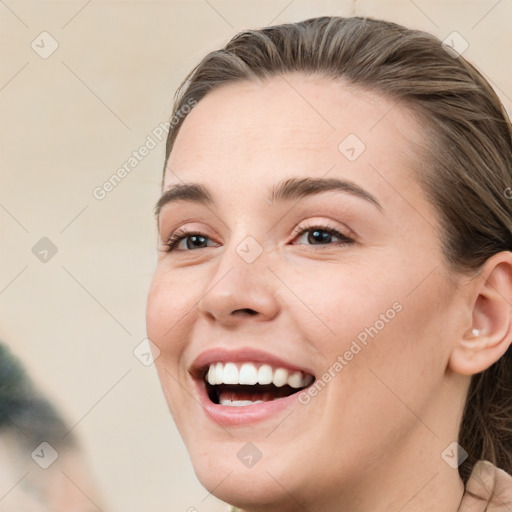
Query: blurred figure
[41, 466]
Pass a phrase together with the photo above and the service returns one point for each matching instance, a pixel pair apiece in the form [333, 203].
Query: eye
[322, 235]
[196, 240]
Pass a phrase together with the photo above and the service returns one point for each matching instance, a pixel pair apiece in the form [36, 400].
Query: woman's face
[341, 284]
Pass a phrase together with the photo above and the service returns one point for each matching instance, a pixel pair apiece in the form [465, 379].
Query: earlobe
[490, 333]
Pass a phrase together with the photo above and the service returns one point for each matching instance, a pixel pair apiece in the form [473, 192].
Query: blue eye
[183, 234]
[320, 235]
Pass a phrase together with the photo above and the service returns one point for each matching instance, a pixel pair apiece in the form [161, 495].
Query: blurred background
[83, 85]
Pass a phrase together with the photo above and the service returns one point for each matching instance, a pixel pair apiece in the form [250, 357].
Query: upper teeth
[249, 373]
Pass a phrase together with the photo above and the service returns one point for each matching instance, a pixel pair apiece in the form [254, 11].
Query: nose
[240, 290]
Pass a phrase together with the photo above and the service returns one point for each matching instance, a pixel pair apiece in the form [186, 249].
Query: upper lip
[245, 354]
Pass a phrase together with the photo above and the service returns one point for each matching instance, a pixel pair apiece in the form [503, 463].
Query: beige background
[68, 122]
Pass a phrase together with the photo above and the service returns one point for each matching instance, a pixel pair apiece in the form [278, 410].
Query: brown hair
[469, 154]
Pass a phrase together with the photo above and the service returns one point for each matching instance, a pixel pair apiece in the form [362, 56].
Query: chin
[238, 485]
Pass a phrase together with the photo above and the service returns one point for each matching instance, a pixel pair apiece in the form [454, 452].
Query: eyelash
[183, 233]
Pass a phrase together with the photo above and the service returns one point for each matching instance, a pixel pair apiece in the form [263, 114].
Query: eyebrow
[286, 190]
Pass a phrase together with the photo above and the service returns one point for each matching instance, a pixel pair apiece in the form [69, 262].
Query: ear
[489, 334]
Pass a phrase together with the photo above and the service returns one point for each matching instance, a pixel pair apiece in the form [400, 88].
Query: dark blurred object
[42, 468]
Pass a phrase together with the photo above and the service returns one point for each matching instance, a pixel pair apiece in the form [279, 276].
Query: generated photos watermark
[361, 341]
[157, 135]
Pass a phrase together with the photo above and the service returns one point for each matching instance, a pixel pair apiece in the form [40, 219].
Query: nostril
[246, 310]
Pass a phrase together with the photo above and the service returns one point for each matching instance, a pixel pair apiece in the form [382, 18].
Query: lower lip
[229, 416]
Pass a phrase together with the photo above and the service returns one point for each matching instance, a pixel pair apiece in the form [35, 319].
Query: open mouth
[242, 384]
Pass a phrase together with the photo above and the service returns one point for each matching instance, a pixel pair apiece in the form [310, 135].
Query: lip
[236, 416]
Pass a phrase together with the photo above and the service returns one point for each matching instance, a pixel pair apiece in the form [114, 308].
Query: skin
[372, 439]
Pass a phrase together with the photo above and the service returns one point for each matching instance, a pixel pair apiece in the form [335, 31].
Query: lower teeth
[243, 396]
[238, 403]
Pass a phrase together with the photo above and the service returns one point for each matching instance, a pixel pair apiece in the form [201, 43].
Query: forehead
[253, 133]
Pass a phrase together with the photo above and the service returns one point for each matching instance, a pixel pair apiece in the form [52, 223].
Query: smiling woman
[331, 171]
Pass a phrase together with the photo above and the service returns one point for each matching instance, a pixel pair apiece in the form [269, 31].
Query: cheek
[377, 325]
[171, 310]
[402, 357]
[333, 303]
[169, 386]
[170, 305]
